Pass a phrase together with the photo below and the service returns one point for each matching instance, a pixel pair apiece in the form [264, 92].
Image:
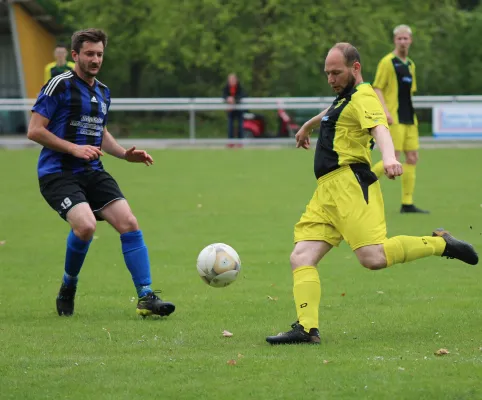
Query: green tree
[277, 47]
[125, 59]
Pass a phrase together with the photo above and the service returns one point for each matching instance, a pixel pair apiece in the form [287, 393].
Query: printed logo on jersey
[407, 79]
[93, 99]
[104, 107]
[340, 103]
[90, 126]
[375, 115]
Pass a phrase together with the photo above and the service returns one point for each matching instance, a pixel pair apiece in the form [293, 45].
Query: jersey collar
[84, 82]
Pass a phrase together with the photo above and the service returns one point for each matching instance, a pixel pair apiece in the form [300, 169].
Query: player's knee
[372, 257]
[412, 157]
[85, 230]
[294, 257]
[298, 258]
[373, 265]
[128, 224]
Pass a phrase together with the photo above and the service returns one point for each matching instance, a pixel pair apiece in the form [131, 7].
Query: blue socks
[74, 258]
[135, 256]
[137, 261]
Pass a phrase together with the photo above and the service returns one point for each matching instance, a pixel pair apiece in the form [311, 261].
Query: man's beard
[348, 87]
[84, 68]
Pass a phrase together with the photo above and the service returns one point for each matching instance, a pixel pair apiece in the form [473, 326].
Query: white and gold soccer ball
[218, 265]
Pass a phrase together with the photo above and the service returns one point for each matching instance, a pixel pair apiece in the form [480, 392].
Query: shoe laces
[295, 326]
[154, 294]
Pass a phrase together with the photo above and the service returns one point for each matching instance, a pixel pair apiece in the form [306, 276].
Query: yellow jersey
[52, 69]
[397, 81]
[345, 129]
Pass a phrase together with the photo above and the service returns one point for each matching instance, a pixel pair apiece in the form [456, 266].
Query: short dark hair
[61, 45]
[88, 35]
[349, 51]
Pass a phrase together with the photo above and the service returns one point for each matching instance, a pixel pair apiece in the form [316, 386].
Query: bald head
[348, 51]
[342, 67]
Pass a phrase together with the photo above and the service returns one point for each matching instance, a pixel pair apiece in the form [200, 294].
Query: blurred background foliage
[165, 48]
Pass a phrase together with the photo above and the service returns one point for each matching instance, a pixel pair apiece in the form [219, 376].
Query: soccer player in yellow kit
[348, 203]
[395, 82]
[60, 65]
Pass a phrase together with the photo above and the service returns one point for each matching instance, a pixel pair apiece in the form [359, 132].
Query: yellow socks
[408, 183]
[401, 249]
[408, 180]
[307, 293]
[378, 169]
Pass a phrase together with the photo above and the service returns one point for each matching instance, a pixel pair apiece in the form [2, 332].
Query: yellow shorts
[405, 137]
[345, 206]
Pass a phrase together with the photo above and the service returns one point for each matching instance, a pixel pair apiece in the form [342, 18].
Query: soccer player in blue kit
[69, 120]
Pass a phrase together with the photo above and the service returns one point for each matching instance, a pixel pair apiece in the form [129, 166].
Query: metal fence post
[192, 122]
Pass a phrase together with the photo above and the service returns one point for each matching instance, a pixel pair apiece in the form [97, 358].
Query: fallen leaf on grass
[240, 355]
[272, 298]
[231, 362]
[441, 352]
[379, 292]
[2, 242]
[227, 334]
[343, 294]
[326, 362]
[108, 333]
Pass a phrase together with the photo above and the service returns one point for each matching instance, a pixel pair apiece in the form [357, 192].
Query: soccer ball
[218, 265]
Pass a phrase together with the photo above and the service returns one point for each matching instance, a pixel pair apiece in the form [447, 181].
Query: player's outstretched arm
[303, 135]
[38, 132]
[384, 142]
[110, 145]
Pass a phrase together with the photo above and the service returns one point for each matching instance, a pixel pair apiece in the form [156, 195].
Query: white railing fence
[193, 105]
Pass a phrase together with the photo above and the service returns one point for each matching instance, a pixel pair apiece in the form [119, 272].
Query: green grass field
[380, 329]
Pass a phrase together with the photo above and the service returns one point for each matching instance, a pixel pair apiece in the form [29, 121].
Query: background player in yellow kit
[395, 82]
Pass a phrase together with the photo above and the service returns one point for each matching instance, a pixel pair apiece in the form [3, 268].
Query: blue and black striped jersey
[77, 112]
